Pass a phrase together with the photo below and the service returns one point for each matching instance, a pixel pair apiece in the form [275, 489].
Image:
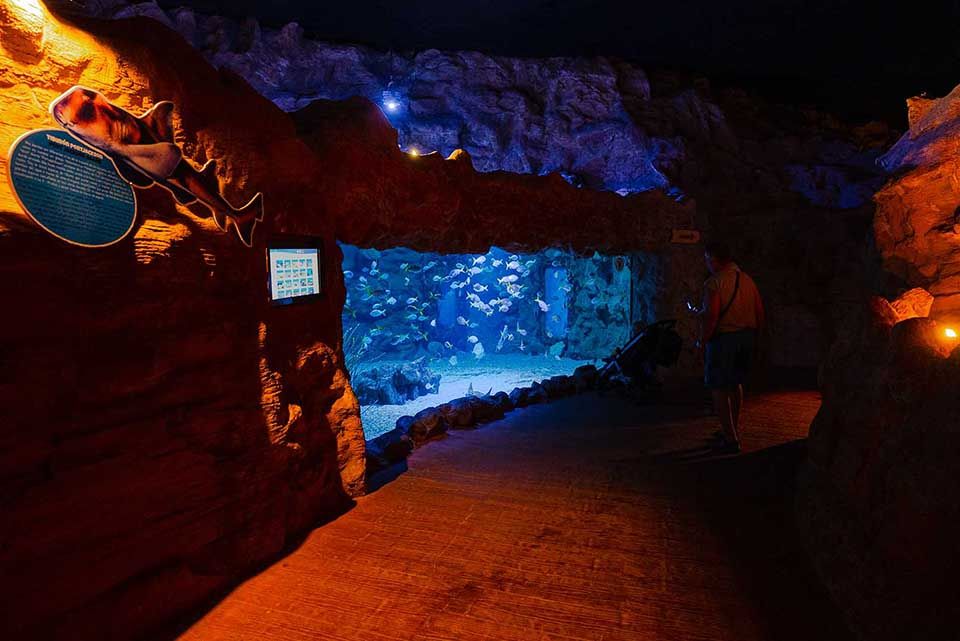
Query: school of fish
[402, 305]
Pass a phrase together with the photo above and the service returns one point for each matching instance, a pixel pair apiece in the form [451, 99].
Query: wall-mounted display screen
[296, 270]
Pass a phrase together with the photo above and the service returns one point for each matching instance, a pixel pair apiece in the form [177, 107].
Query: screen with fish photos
[295, 271]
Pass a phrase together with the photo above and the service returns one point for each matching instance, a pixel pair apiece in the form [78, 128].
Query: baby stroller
[636, 362]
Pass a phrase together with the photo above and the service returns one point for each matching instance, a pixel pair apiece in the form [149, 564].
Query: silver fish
[544, 307]
[503, 338]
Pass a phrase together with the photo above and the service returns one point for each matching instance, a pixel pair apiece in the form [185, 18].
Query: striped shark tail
[208, 175]
[246, 218]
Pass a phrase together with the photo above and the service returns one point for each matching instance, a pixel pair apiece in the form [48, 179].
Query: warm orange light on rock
[28, 9]
[21, 28]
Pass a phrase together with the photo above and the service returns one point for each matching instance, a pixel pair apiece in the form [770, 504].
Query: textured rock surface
[388, 449]
[914, 303]
[429, 202]
[879, 498]
[163, 429]
[424, 425]
[162, 423]
[790, 188]
[916, 225]
[471, 411]
[394, 385]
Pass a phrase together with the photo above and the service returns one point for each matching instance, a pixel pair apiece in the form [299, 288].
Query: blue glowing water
[494, 320]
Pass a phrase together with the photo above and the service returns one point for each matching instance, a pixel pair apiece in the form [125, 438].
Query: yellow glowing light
[950, 332]
[28, 9]
[22, 28]
[413, 152]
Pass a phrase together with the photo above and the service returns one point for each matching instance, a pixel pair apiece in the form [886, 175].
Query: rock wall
[790, 188]
[163, 428]
[430, 204]
[917, 226]
[879, 497]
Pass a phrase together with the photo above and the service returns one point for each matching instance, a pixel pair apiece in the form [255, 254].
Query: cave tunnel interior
[406, 423]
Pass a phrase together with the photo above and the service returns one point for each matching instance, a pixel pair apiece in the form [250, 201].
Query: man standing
[732, 316]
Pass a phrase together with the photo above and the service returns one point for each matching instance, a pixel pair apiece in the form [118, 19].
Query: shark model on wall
[144, 153]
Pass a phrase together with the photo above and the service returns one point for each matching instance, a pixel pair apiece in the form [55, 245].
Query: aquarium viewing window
[294, 269]
[421, 329]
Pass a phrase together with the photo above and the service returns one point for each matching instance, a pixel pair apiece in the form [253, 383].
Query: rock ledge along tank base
[421, 329]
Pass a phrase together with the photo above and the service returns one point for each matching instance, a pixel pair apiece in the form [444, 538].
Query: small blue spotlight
[391, 101]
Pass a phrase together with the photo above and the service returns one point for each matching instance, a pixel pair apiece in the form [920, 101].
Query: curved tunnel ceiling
[850, 56]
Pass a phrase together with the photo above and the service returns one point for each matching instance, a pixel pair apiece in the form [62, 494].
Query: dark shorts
[728, 359]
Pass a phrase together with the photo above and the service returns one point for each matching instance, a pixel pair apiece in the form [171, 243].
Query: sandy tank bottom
[493, 373]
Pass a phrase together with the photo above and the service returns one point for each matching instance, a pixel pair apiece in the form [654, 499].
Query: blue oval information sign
[71, 190]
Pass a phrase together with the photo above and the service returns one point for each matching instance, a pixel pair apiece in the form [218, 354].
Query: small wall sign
[685, 236]
[294, 269]
[71, 190]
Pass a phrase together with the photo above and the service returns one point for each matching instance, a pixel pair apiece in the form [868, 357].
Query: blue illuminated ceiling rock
[788, 186]
[524, 116]
[430, 203]
[603, 122]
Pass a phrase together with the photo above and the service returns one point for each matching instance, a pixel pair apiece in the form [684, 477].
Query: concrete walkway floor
[588, 518]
